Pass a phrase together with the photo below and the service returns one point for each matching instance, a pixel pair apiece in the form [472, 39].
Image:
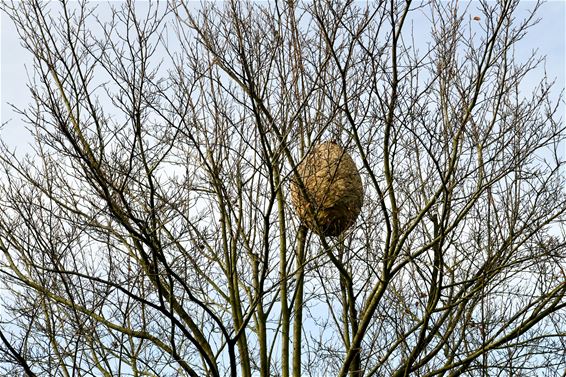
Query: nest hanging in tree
[334, 192]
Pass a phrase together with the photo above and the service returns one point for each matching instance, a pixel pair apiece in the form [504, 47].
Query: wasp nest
[333, 193]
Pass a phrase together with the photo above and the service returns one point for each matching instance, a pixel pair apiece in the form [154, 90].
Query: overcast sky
[548, 36]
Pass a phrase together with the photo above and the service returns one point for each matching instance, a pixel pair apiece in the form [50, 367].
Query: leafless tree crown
[151, 231]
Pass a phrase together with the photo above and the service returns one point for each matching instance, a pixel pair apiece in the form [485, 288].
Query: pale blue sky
[549, 36]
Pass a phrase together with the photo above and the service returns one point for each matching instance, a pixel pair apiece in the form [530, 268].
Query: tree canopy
[151, 231]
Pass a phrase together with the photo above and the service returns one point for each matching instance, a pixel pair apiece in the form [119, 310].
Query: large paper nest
[334, 192]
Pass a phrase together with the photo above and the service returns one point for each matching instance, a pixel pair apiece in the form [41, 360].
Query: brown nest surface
[334, 192]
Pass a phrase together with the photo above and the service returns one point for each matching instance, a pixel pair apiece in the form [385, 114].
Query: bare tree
[151, 233]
